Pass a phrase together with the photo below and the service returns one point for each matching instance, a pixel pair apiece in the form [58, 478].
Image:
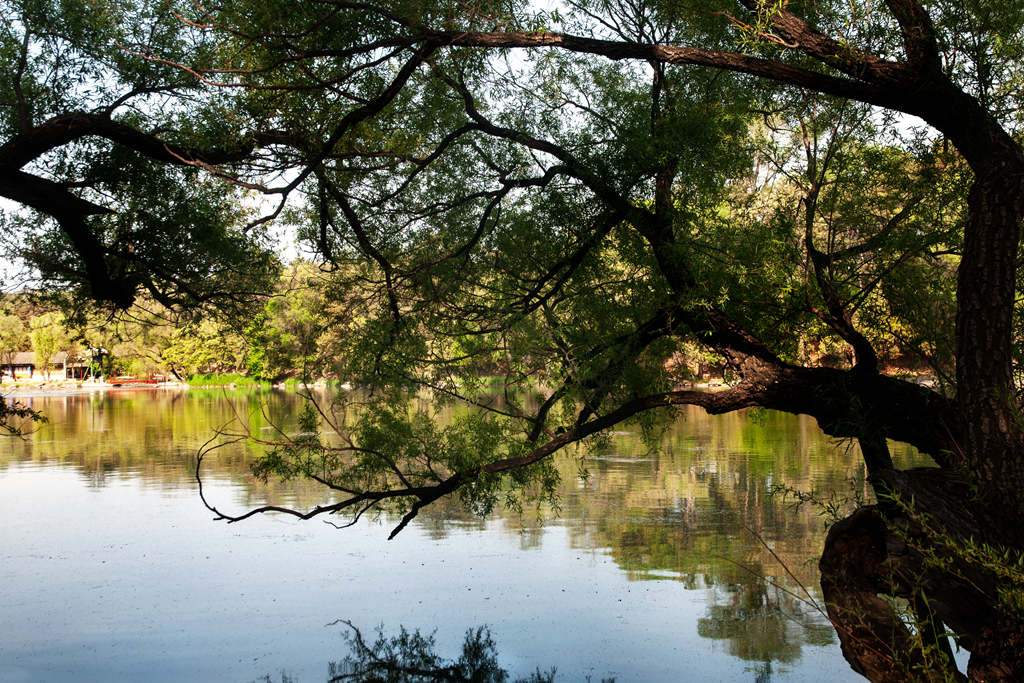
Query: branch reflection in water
[411, 657]
[651, 555]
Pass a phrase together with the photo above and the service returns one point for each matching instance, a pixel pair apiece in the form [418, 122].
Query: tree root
[928, 554]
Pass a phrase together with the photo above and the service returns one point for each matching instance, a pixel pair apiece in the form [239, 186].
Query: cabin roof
[29, 358]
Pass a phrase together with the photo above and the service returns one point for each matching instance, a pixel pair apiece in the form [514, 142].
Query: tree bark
[985, 295]
[933, 543]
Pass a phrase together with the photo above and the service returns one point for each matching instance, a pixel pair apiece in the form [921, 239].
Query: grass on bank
[224, 380]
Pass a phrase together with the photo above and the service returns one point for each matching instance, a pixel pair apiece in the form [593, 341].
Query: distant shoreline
[22, 389]
[25, 390]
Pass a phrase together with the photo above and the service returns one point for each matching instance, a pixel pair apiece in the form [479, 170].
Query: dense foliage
[575, 200]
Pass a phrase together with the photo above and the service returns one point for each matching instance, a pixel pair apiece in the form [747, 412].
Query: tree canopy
[570, 200]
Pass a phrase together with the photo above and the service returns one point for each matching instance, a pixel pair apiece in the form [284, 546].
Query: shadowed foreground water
[654, 568]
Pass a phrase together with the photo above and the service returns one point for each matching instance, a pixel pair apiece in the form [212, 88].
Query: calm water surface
[654, 568]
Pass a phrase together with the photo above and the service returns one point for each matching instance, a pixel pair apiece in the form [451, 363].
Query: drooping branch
[570, 163]
[836, 398]
[367, 247]
[364, 112]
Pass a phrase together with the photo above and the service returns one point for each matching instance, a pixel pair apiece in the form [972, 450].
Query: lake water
[655, 567]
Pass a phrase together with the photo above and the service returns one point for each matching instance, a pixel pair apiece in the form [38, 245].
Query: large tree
[574, 214]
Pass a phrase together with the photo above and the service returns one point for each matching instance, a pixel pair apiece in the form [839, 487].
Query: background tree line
[291, 336]
[281, 341]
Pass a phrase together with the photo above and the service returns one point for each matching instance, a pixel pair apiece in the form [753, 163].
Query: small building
[23, 366]
[73, 366]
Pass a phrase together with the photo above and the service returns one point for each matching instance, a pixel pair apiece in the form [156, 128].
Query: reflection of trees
[698, 509]
[411, 657]
[761, 623]
[754, 624]
[687, 510]
[153, 436]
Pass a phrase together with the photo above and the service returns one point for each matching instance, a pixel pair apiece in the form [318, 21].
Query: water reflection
[696, 510]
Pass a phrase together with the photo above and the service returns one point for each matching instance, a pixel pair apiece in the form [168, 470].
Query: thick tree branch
[67, 128]
[918, 35]
[885, 93]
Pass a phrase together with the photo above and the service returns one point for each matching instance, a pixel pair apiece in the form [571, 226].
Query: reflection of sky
[132, 580]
